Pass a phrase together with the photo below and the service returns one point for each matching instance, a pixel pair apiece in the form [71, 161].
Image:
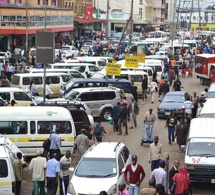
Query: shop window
[38, 2]
[18, 1]
[4, 1]
[53, 3]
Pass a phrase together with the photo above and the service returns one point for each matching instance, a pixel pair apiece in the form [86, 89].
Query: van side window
[21, 96]
[3, 168]
[13, 127]
[47, 127]
[37, 80]
[32, 127]
[85, 97]
[109, 95]
[121, 163]
[5, 96]
[96, 96]
[53, 79]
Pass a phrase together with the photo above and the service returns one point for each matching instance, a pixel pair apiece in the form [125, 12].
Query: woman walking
[182, 181]
[170, 124]
[181, 134]
[186, 120]
[153, 90]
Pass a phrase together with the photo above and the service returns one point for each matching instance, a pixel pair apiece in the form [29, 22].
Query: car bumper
[202, 178]
[165, 114]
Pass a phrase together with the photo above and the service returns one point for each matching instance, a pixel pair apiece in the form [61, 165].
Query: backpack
[98, 130]
[46, 144]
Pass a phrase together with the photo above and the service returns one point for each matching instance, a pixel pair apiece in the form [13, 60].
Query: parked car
[101, 168]
[172, 101]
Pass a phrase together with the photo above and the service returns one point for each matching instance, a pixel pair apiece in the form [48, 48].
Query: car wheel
[106, 114]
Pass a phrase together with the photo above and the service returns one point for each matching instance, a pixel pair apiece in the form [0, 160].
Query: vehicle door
[96, 102]
[22, 99]
[55, 84]
[75, 51]
[121, 168]
[6, 96]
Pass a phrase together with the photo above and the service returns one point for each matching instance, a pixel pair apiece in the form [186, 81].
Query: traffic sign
[131, 61]
[113, 69]
[141, 57]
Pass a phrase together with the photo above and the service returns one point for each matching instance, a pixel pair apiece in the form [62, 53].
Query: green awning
[140, 22]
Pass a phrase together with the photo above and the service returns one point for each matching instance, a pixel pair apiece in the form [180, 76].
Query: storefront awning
[87, 21]
[140, 22]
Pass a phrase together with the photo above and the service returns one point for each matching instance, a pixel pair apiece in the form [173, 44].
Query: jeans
[18, 187]
[124, 122]
[154, 164]
[134, 190]
[39, 187]
[52, 184]
[66, 183]
[149, 129]
[144, 93]
[171, 130]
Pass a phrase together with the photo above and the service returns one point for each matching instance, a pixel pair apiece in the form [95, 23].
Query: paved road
[133, 142]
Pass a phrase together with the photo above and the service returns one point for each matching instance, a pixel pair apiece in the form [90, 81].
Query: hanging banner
[131, 61]
[113, 69]
[141, 57]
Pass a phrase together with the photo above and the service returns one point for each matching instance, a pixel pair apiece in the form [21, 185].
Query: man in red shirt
[136, 176]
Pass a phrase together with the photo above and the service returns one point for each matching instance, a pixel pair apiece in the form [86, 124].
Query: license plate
[212, 180]
[167, 113]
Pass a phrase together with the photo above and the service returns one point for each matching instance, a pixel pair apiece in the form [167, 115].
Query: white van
[19, 95]
[90, 60]
[71, 49]
[208, 110]
[211, 91]
[29, 127]
[200, 150]
[83, 68]
[22, 81]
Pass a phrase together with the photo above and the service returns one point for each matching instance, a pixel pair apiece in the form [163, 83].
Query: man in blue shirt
[123, 113]
[52, 170]
[55, 144]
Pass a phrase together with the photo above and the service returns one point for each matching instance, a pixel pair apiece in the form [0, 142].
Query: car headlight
[71, 189]
[112, 190]
[190, 168]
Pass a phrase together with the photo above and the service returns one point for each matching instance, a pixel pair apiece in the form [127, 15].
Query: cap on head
[134, 157]
[162, 163]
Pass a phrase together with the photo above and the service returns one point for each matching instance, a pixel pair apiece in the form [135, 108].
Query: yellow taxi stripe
[5, 183]
[23, 139]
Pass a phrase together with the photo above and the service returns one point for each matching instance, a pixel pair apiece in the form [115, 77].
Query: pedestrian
[164, 89]
[184, 70]
[153, 90]
[150, 190]
[129, 99]
[182, 181]
[144, 87]
[10, 71]
[149, 118]
[98, 131]
[5, 82]
[165, 75]
[171, 76]
[172, 172]
[48, 90]
[154, 75]
[134, 93]
[181, 133]
[136, 176]
[201, 104]
[81, 143]
[155, 153]
[65, 163]
[123, 113]
[176, 69]
[38, 166]
[134, 113]
[103, 193]
[205, 93]
[190, 68]
[115, 116]
[160, 85]
[55, 144]
[171, 123]
[17, 165]
[160, 175]
[52, 171]
[177, 85]
[195, 101]
[188, 106]
[122, 189]
[186, 120]
[160, 189]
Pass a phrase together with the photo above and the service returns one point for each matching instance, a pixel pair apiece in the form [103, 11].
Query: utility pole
[177, 26]
[26, 35]
[190, 15]
[44, 75]
[131, 23]
[199, 15]
[45, 15]
[107, 20]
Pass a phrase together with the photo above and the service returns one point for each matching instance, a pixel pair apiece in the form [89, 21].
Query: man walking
[173, 171]
[144, 87]
[155, 153]
[55, 144]
[123, 113]
[17, 165]
[136, 176]
[129, 99]
[188, 107]
[164, 89]
[81, 143]
[98, 131]
[150, 190]
[149, 118]
[177, 85]
[38, 166]
[53, 168]
[160, 175]
[65, 163]
[115, 116]
[195, 101]
[134, 113]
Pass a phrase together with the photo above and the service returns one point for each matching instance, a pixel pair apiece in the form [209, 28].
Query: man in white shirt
[38, 165]
[160, 175]
[48, 90]
[188, 106]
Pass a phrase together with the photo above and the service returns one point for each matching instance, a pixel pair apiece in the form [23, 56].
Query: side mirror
[71, 169]
[183, 148]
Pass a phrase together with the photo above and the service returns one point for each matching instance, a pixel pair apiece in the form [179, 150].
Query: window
[121, 164]
[37, 80]
[13, 127]
[66, 78]
[188, 17]
[93, 68]
[96, 96]
[125, 154]
[15, 80]
[4, 1]
[18, 1]
[84, 97]
[109, 95]
[47, 127]
[21, 96]
[45, 2]
[38, 2]
[101, 63]
[53, 79]
[141, 13]
[141, 2]
[194, 17]
[32, 127]
[53, 3]
[3, 168]
[136, 78]
[5, 96]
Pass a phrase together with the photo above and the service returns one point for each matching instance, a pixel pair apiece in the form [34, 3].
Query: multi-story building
[21, 17]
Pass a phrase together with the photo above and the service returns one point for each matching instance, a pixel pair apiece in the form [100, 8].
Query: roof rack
[116, 146]
[62, 103]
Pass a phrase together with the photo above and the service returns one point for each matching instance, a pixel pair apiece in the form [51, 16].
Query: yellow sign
[131, 61]
[113, 69]
[141, 57]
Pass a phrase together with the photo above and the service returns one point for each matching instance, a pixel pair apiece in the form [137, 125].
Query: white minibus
[29, 127]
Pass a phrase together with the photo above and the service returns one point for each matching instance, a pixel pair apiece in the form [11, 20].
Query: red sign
[88, 12]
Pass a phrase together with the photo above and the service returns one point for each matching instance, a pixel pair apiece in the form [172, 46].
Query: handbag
[111, 121]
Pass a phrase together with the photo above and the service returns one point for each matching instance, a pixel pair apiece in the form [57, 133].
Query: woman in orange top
[160, 84]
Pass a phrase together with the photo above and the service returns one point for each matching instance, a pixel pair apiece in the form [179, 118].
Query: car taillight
[13, 187]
